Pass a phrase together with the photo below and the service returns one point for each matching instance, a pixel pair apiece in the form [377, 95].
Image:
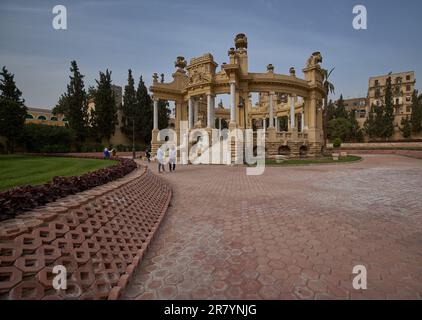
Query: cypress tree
[416, 117]
[331, 111]
[74, 104]
[12, 109]
[355, 133]
[104, 117]
[388, 117]
[163, 114]
[406, 127]
[145, 110]
[341, 109]
[130, 111]
[369, 125]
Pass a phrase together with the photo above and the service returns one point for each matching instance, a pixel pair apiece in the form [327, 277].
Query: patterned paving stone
[292, 233]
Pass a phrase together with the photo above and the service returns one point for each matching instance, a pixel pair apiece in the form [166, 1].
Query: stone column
[190, 105]
[302, 122]
[155, 114]
[219, 124]
[271, 111]
[210, 111]
[233, 102]
[292, 112]
[213, 111]
[196, 110]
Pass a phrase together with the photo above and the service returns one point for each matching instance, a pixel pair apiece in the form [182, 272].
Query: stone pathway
[292, 233]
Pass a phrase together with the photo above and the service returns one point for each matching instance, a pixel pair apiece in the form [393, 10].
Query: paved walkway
[293, 233]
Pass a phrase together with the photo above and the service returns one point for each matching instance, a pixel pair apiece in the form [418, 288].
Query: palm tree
[329, 89]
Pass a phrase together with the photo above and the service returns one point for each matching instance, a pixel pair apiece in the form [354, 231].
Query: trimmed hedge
[21, 199]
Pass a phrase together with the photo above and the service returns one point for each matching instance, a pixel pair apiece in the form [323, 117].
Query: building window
[408, 77]
[407, 88]
[408, 99]
[408, 109]
[377, 82]
[397, 101]
[29, 116]
[42, 118]
[54, 119]
[377, 93]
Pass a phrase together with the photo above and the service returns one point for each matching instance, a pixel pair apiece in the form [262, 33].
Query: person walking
[148, 155]
[106, 154]
[160, 159]
[173, 158]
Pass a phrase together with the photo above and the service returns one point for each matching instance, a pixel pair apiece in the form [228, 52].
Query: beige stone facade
[403, 84]
[44, 116]
[289, 108]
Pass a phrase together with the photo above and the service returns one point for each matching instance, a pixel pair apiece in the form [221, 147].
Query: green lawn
[312, 161]
[17, 170]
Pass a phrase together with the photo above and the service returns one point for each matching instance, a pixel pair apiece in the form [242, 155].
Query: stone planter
[280, 159]
[336, 156]
[343, 154]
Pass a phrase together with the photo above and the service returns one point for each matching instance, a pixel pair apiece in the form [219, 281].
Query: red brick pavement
[293, 233]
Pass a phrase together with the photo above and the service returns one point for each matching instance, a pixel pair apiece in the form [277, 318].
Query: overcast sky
[147, 36]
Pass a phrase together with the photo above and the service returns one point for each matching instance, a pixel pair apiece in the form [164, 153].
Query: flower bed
[21, 199]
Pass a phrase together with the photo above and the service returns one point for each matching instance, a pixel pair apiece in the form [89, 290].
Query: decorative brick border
[407, 153]
[99, 235]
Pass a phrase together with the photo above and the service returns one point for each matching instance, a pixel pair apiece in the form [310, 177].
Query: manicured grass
[18, 170]
[312, 161]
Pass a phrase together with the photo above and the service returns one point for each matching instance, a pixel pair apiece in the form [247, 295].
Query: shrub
[337, 143]
[18, 200]
[42, 138]
[339, 128]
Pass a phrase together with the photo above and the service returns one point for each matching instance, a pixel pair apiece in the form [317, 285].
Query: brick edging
[107, 235]
[116, 292]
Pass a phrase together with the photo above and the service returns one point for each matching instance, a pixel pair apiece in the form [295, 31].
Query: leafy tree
[388, 118]
[341, 109]
[406, 127]
[145, 108]
[416, 117]
[74, 104]
[104, 117]
[339, 128]
[12, 109]
[130, 110]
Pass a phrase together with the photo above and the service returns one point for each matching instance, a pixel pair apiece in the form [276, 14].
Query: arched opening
[42, 118]
[54, 119]
[303, 151]
[29, 116]
[284, 151]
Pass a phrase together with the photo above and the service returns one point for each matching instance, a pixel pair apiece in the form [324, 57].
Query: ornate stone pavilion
[289, 108]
